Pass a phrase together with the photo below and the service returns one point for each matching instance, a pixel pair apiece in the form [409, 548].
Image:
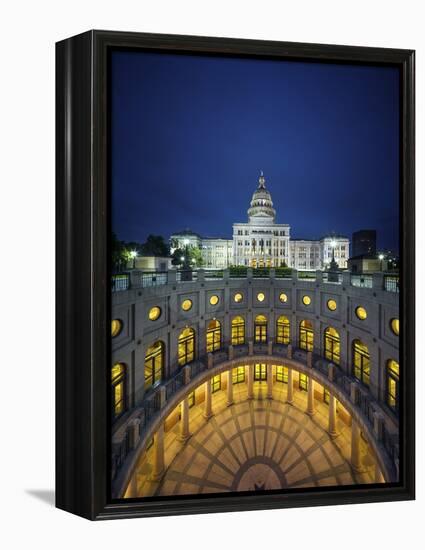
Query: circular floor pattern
[258, 445]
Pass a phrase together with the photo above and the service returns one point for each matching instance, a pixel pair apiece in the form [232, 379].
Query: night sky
[190, 135]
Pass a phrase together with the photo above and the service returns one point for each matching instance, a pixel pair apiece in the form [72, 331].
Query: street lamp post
[133, 254]
[381, 257]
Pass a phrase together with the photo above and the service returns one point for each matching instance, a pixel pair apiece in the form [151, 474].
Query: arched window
[260, 329]
[332, 345]
[154, 364]
[238, 331]
[118, 382]
[393, 383]
[306, 335]
[361, 362]
[186, 346]
[213, 336]
[282, 330]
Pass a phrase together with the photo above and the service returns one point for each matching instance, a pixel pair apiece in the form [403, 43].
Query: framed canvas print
[235, 275]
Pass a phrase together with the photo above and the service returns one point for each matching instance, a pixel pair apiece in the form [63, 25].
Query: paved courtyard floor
[256, 444]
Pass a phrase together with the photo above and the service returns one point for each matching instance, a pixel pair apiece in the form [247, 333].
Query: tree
[155, 245]
[120, 255]
[192, 257]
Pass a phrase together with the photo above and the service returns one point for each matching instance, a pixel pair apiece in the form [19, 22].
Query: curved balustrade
[161, 400]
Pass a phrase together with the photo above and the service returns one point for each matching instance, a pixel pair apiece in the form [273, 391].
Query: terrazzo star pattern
[255, 445]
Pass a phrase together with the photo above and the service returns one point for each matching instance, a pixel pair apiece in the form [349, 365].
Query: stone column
[208, 401]
[290, 393]
[229, 388]
[355, 446]
[250, 381]
[184, 421]
[270, 347]
[269, 381]
[158, 454]
[332, 416]
[310, 398]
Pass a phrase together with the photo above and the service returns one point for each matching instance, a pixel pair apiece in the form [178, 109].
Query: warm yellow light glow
[154, 362]
[395, 326]
[283, 297]
[306, 337]
[238, 331]
[332, 305]
[361, 362]
[213, 336]
[186, 347]
[154, 313]
[361, 313]
[260, 297]
[332, 345]
[214, 300]
[238, 297]
[186, 305]
[306, 300]
[116, 327]
[282, 330]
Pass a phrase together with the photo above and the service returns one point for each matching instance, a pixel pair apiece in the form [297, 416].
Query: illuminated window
[154, 364]
[118, 380]
[191, 399]
[186, 305]
[238, 375]
[332, 345]
[260, 371]
[213, 336]
[303, 382]
[214, 300]
[282, 374]
[331, 305]
[238, 297]
[361, 313]
[282, 330]
[283, 297]
[306, 300]
[260, 296]
[393, 382]
[216, 383]
[186, 346]
[361, 362]
[116, 327]
[395, 326]
[326, 395]
[238, 331]
[154, 313]
[260, 329]
[306, 335]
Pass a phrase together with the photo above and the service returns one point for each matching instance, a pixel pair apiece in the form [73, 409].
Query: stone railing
[346, 387]
[140, 279]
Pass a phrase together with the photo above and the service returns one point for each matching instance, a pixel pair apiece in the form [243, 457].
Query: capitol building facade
[261, 242]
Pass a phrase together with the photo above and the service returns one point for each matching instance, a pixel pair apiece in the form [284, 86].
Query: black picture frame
[83, 289]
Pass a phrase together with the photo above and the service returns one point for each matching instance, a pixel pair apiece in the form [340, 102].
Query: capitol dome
[261, 209]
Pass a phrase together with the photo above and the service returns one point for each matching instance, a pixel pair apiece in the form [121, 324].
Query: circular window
[361, 313]
[186, 305]
[260, 296]
[154, 313]
[331, 305]
[238, 297]
[214, 300]
[395, 326]
[306, 300]
[283, 297]
[116, 327]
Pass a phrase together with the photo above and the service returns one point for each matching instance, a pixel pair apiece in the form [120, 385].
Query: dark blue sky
[190, 135]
